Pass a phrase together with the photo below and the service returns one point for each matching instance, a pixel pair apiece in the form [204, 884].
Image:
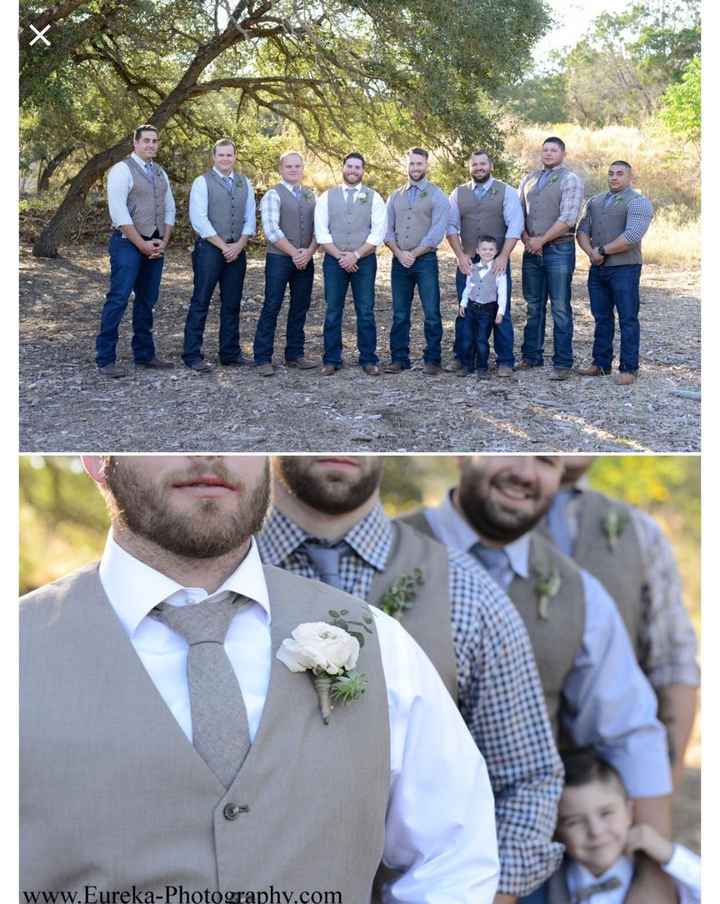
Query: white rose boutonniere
[330, 654]
[547, 586]
[362, 197]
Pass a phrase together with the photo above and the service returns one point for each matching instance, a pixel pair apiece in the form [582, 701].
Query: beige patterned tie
[219, 719]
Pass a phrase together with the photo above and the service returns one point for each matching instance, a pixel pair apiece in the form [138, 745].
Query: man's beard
[481, 180]
[331, 494]
[489, 518]
[416, 178]
[206, 532]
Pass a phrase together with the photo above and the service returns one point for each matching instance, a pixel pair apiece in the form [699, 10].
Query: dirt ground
[66, 406]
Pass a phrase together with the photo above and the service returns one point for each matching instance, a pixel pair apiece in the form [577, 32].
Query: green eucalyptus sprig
[547, 586]
[400, 595]
[614, 524]
[338, 620]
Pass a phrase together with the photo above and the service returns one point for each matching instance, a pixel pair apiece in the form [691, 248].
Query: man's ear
[95, 466]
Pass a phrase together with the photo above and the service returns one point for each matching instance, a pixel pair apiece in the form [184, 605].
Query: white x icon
[40, 35]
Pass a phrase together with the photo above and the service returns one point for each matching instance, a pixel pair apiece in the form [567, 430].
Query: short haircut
[487, 238]
[224, 142]
[144, 128]
[584, 766]
[354, 155]
[622, 163]
[287, 154]
[553, 139]
[481, 152]
[421, 151]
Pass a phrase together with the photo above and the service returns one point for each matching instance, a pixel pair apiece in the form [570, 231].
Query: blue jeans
[279, 271]
[610, 288]
[503, 336]
[403, 280]
[362, 283]
[479, 320]
[209, 269]
[130, 271]
[549, 275]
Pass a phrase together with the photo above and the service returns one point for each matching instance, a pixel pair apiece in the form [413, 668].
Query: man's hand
[153, 248]
[464, 263]
[461, 311]
[499, 265]
[499, 318]
[406, 258]
[534, 244]
[348, 260]
[596, 257]
[232, 250]
[302, 258]
[646, 839]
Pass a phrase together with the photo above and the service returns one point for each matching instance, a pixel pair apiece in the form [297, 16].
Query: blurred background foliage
[63, 521]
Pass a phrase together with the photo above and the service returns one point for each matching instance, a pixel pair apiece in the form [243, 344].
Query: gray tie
[495, 562]
[326, 560]
[228, 180]
[597, 889]
[296, 191]
[150, 170]
[480, 191]
[349, 198]
[544, 176]
[219, 719]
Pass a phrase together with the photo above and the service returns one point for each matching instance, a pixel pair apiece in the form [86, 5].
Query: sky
[573, 18]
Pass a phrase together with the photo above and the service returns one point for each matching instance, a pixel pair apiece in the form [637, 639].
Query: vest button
[232, 811]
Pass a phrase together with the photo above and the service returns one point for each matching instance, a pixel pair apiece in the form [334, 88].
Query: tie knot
[351, 192]
[296, 191]
[205, 622]
[228, 180]
[326, 559]
[586, 894]
[494, 560]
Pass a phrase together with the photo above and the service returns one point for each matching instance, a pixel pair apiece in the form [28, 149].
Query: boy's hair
[421, 152]
[584, 766]
[487, 238]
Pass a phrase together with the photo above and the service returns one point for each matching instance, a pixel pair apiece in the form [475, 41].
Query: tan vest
[349, 227]
[621, 570]
[556, 641]
[412, 223]
[146, 199]
[226, 210]
[478, 218]
[297, 218]
[114, 795]
[608, 222]
[542, 207]
[428, 621]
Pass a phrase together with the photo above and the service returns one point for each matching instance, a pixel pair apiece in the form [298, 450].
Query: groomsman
[485, 206]
[142, 210]
[165, 744]
[551, 199]
[610, 233]
[416, 222]
[349, 227]
[327, 523]
[595, 692]
[222, 213]
[288, 218]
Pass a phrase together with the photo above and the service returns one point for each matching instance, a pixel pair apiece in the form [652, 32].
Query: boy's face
[486, 251]
[593, 824]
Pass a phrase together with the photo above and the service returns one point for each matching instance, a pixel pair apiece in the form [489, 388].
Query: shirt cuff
[682, 673]
[274, 236]
[645, 773]
[684, 866]
[323, 238]
[452, 230]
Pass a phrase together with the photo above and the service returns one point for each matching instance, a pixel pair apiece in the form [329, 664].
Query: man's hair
[582, 767]
[421, 151]
[553, 139]
[287, 154]
[622, 163]
[481, 152]
[487, 238]
[354, 155]
[144, 128]
[224, 142]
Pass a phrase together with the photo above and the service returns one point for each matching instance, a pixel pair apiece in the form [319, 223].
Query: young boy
[595, 823]
[483, 303]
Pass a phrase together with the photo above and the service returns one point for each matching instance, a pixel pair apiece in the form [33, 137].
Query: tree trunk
[45, 174]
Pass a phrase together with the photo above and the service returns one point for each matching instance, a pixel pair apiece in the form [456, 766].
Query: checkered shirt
[499, 692]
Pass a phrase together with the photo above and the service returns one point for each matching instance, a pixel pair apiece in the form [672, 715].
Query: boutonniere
[547, 586]
[424, 193]
[307, 194]
[617, 200]
[400, 595]
[362, 197]
[493, 190]
[330, 654]
[554, 178]
[613, 525]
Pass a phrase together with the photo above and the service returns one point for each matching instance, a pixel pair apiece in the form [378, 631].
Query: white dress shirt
[439, 828]
[608, 703]
[377, 222]
[198, 205]
[683, 867]
[119, 185]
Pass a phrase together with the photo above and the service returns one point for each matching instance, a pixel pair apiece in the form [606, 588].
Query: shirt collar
[291, 187]
[138, 159]
[345, 187]
[578, 877]
[421, 185]
[134, 588]
[371, 538]
[458, 533]
[217, 172]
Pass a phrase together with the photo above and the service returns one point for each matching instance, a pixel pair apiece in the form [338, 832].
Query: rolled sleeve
[378, 220]
[119, 185]
[249, 225]
[639, 214]
[169, 203]
[198, 209]
[270, 214]
[611, 705]
[501, 700]
[513, 214]
[571, 198]
[322, 226]
[453, 223]
[585, 224]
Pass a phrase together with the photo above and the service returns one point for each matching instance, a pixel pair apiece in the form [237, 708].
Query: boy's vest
[226, 210]
[349, 225]
[114, 795]
[146, 199]
[297, 218]
[484, 217]
[486, 291]
[608, 222]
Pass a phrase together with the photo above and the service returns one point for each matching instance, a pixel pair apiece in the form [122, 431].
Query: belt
[560, 240]
[148, 238]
